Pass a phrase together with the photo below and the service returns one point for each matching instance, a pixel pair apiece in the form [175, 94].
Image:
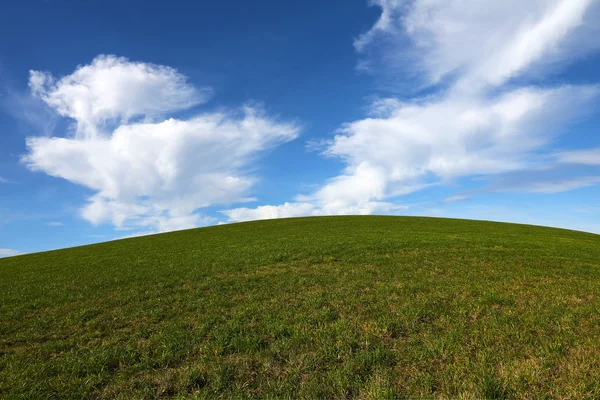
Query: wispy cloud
[585, 157]
[32, 114]
[54, 223]
[478, 42]
[455, 199]
[558, 186]
[548, 180]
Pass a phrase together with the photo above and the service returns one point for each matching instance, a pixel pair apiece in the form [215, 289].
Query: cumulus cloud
[147, 170]
[9, 253]
[481, 122]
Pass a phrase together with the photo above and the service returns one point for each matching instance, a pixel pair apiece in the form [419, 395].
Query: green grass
[332, 307]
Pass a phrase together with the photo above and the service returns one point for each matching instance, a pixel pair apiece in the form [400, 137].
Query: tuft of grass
[328, 307]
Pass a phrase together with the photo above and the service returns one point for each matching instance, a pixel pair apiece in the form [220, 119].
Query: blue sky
[126, 118]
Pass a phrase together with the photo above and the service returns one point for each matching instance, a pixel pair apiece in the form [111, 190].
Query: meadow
[324, 307]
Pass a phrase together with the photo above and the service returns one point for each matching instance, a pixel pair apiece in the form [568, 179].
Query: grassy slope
[312, 307]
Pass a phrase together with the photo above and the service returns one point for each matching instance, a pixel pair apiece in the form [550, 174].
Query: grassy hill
[332, 307]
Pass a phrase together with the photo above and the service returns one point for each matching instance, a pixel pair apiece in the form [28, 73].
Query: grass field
[331, 307]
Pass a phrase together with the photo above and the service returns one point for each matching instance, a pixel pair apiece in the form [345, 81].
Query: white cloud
[456, 136]
[309, 208]
[387, 22]
[9, 253]
[2, 180]
[586, 157]
[359, 192]
[285, 210]
[135, 234]
[151, 173]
